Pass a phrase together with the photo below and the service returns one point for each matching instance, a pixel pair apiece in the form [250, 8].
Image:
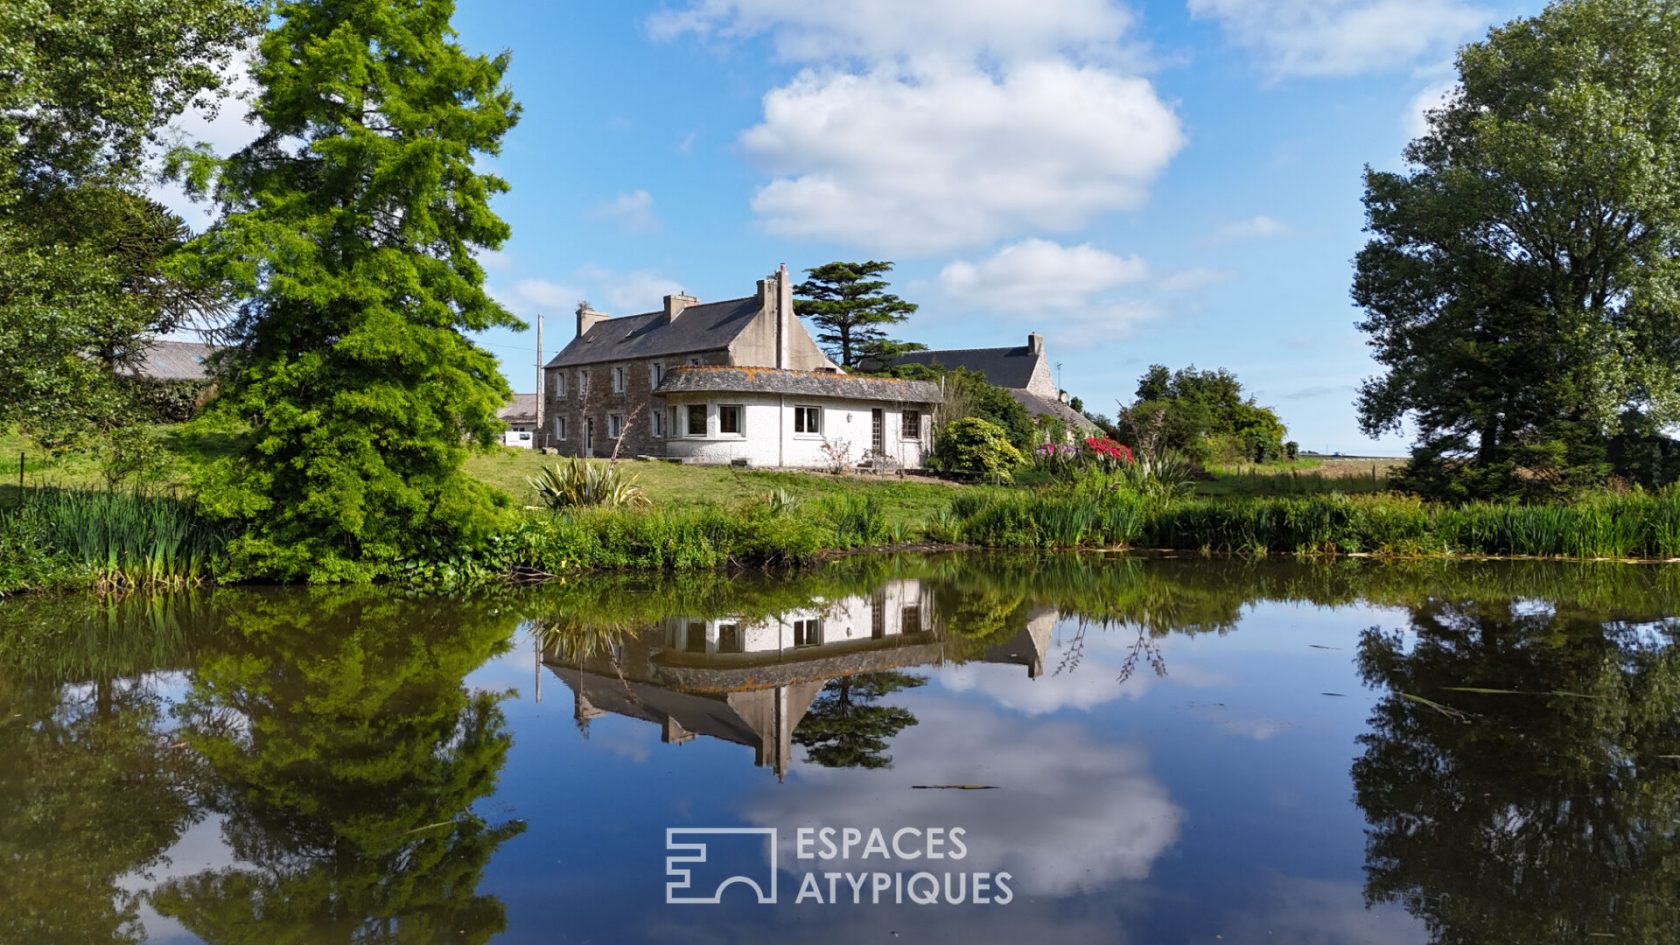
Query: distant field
[1309, 474]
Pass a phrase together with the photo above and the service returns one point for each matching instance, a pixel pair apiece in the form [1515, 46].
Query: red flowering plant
[1107, 452]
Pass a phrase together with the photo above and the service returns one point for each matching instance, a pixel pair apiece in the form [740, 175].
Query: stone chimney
[588, 318]
[784, 316]
[1035, 343]
[674, 305]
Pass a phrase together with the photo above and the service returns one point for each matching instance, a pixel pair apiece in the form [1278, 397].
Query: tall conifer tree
[350, 232]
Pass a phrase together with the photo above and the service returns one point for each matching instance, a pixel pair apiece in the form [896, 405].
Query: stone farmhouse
[738, 381]
[1023, 371]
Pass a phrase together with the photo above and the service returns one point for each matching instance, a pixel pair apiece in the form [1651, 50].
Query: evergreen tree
[1520, 285]
[844, 728]
[350, 230]
[851, 311]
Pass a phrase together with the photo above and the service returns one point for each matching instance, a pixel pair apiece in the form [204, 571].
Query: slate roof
[707, 379]
[523, 407]
[1005, 367]
[708, 326]
[1040, 406]
[175, 361]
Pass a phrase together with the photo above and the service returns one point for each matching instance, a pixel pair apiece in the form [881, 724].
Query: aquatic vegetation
[121, 538]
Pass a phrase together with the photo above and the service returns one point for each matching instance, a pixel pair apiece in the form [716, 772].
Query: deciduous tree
[1522, 283]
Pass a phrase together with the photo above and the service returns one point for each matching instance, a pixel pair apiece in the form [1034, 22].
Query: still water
[1009, 750]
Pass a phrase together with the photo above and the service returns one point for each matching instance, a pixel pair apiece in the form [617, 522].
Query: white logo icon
[686, 848]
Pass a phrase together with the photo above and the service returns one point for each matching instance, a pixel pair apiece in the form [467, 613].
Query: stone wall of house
[601, 402]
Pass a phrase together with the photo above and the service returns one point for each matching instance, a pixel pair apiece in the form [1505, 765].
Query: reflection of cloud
[1093, 682]
[1070, 813]
[1316, 912]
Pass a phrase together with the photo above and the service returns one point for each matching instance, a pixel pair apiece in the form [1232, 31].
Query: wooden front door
[877, 431]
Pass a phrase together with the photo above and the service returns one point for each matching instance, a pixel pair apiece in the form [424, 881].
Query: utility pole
[538, 439]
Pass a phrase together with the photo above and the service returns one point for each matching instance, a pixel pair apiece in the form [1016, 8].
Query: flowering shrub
[1107, 451]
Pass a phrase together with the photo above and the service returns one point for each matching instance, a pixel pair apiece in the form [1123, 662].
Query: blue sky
[1157, 182]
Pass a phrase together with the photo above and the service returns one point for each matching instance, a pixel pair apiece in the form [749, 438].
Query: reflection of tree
[844, 728]
[93, 792]
[347, 754]
[1545, 816]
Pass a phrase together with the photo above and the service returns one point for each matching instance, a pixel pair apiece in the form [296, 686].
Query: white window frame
[688, 420]
[618, 380]
[559, 385]
[740, 420]
[810, 629]
[656, 423]
[615, 425]
[583, 382]
[656, 373]
[800, 416]
[560, 428]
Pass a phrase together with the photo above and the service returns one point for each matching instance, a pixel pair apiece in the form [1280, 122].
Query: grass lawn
[671, 485]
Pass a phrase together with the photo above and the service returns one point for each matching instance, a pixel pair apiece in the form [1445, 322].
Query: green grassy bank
[76, 534]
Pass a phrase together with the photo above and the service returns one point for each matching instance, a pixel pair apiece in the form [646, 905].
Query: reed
[127, 538]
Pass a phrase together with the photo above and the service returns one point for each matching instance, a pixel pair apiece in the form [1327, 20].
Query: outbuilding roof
[1005, 367]
[1040, 406]
[707, 379]
[172, 360]
[708, 326]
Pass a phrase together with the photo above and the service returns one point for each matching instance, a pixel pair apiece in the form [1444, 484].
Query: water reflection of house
[751, 681]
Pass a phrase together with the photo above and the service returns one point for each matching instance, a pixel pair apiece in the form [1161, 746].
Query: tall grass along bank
[116, 539]
[1639, 525]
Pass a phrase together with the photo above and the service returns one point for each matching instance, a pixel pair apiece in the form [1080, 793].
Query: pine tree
[350, 233]
[851, 310]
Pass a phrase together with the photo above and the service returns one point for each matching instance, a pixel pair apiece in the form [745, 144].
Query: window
[615, 425]
[696, 642]
[729, 418]
[694, 362]
[618, 380]
[656, 373]
[910, 619]
[559, 384]
[912, 424]
[583, 383]
[807, 419]
[696, 419]
[807, 632]
[559, 428]
[729, 638]
[877, 619]
[656, 422]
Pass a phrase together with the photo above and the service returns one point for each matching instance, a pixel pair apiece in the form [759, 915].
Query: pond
[952, 749]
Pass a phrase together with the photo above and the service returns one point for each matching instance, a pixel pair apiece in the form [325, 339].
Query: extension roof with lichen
[707, 326]
[708, 379]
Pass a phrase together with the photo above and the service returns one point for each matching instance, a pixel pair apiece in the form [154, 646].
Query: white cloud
[1253, 228]
[919, 128]
[631, 292]
[633, 212]
[1071, 814]
[529, 298]
[873, 31]
[224, 126]
[1342, 37]
[918, 165]
[617, 292]
[1039, 274]
[1432, 96]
